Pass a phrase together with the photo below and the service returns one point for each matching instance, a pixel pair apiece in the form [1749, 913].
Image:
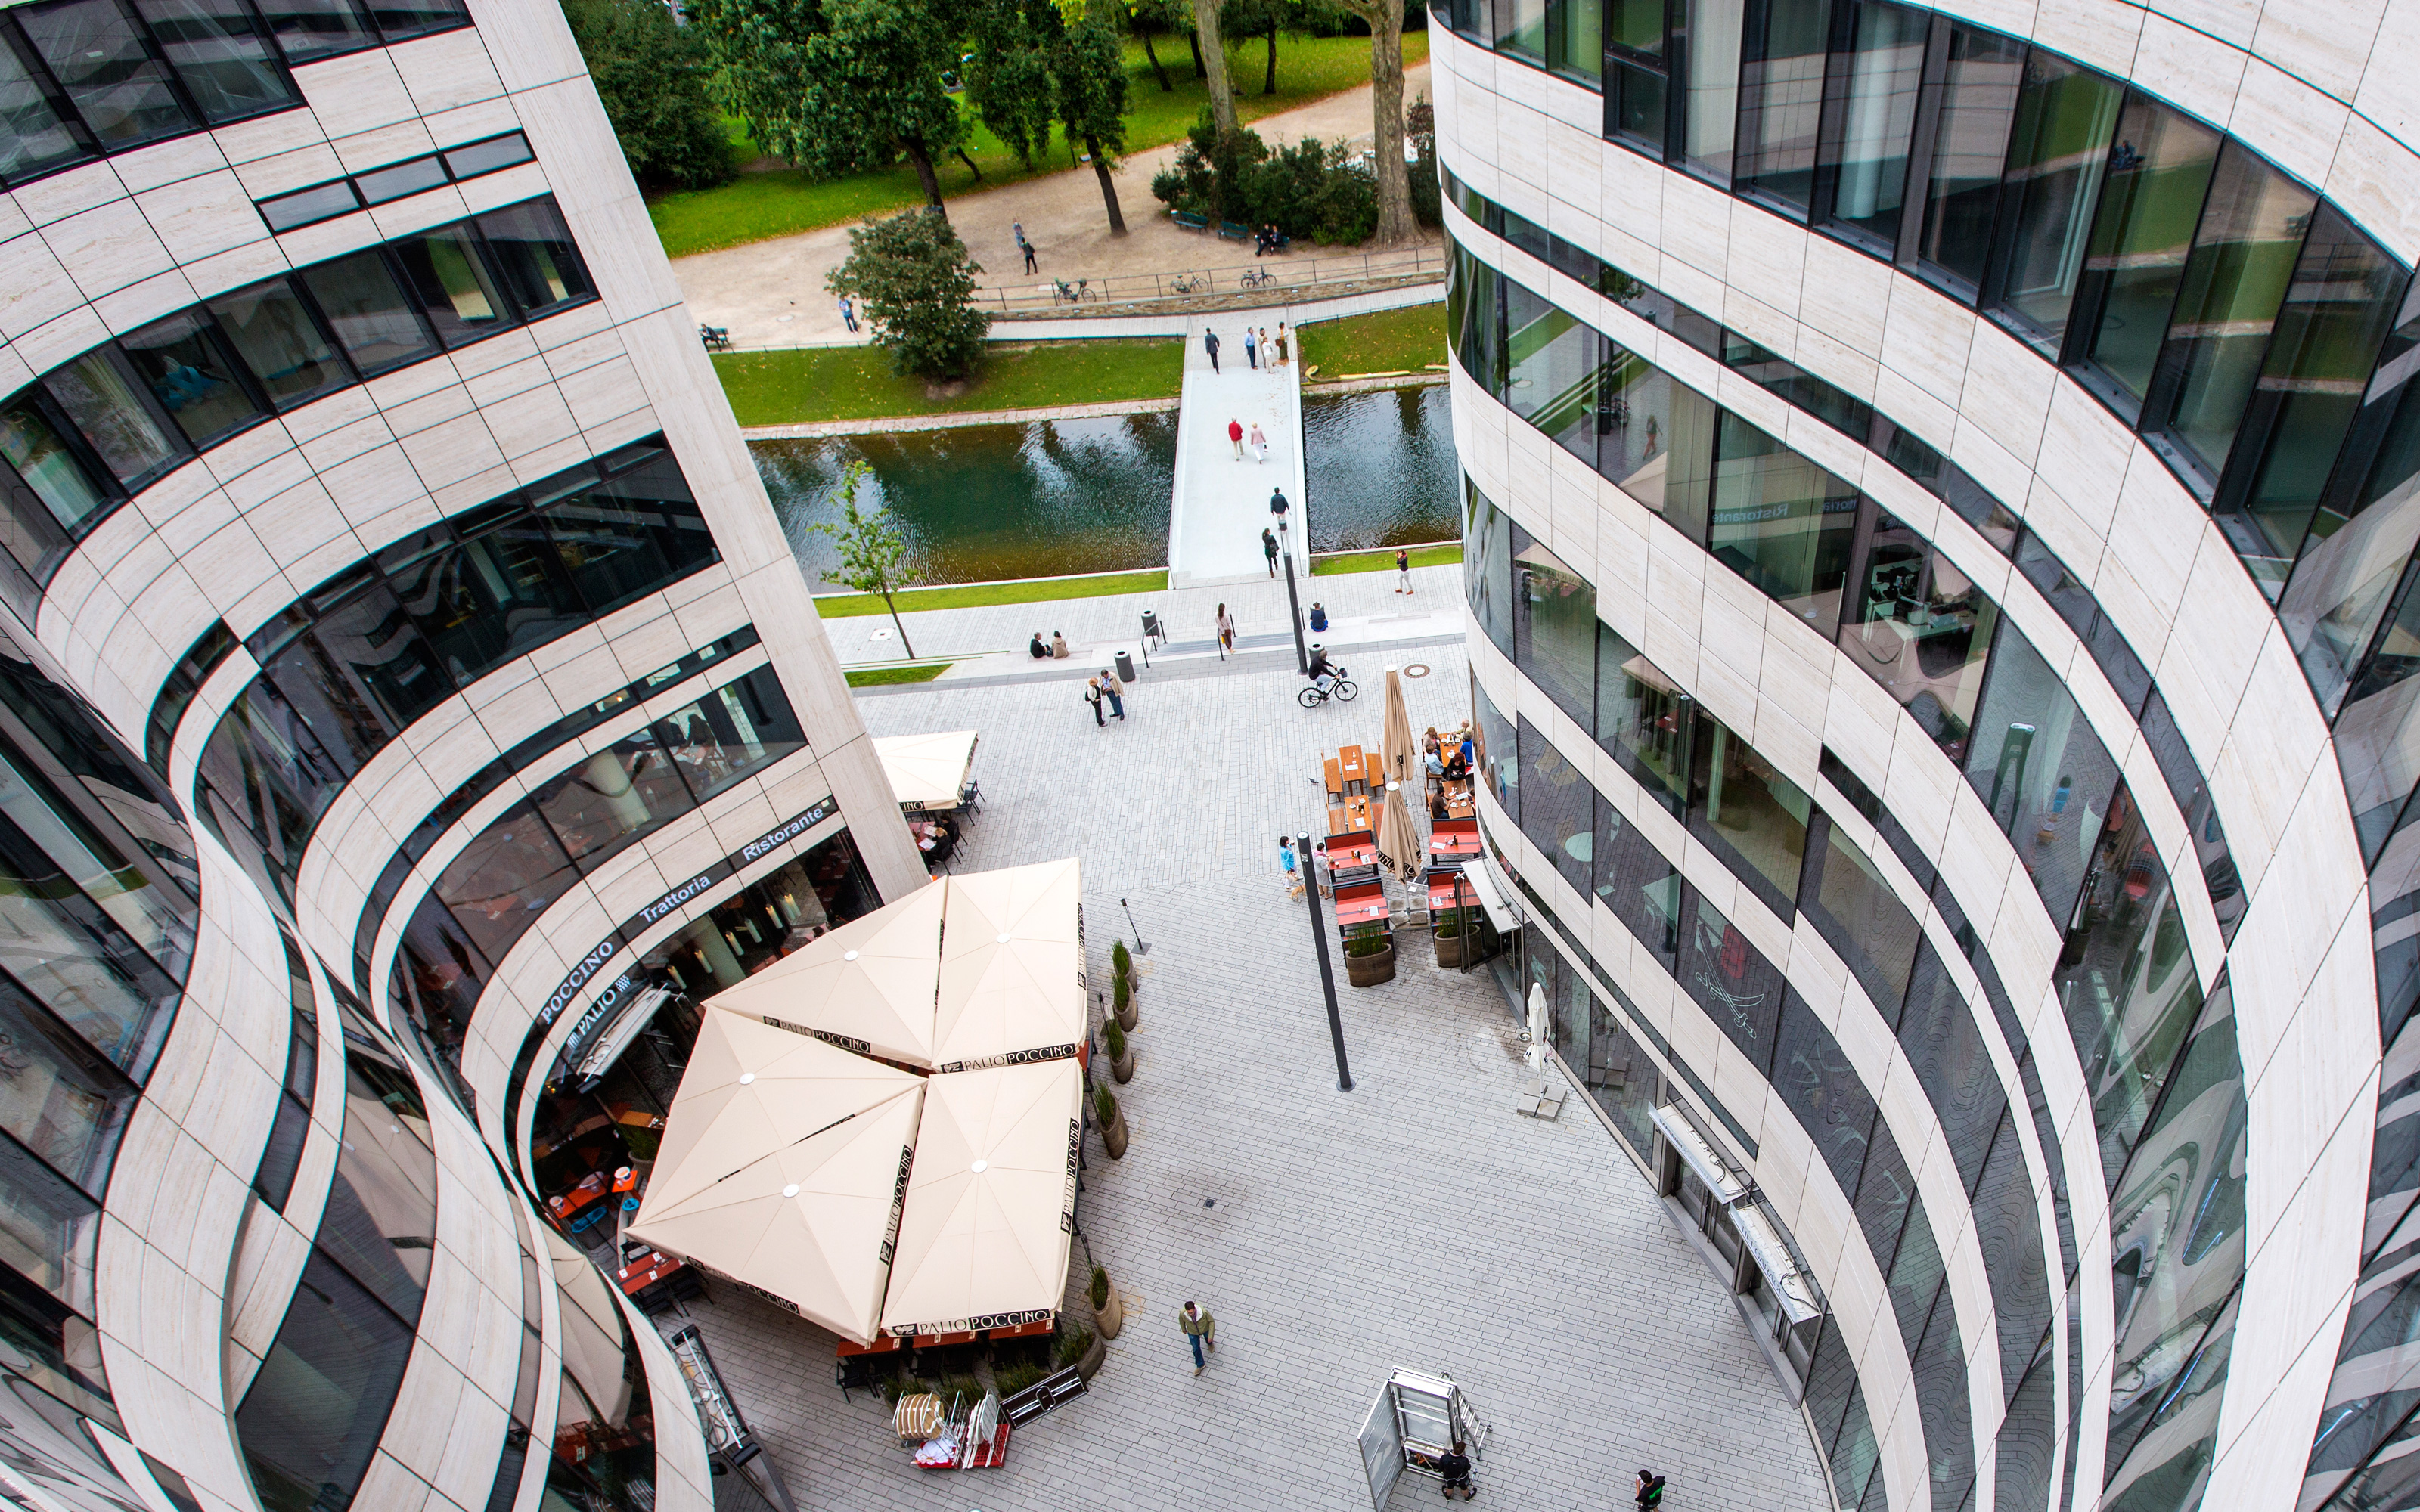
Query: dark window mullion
[1832, 112]
[1922, 139]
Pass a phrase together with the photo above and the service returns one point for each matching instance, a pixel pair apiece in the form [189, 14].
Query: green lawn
[781, 202]
[1040, 590]
[1426, 556]
[793, 387]
[1390, 341]
[880, 676]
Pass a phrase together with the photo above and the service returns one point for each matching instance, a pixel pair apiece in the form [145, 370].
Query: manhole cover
[1418, 669]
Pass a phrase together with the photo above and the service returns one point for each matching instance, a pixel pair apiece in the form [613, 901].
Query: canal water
[1049, 498]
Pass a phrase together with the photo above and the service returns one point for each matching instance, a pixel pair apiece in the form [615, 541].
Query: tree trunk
[894, 614]
[1385, 18]
[1157, 69]
[1193, 40]
[926, 176]
[961, 154]
[1109, 190]
[1213, 52]
[1269, 84]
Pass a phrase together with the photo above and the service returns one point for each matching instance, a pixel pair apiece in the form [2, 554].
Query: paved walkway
[771, 293]
[1222, 497]
[1415, 1221]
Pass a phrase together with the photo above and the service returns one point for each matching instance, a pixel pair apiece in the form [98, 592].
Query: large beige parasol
[983, 1238]
[1012, 967]
[927, 771]
[1398, 751]
[1399, 843]
[867, 985]
[808, 1224]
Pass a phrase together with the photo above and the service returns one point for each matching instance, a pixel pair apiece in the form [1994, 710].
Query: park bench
[1234, 230]
[1189, 220]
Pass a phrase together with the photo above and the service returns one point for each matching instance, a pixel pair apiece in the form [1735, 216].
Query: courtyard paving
[1415, 1221]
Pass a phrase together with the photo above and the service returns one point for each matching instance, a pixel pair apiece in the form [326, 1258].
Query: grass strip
[884, 676]
[803, 385]
[779, 201]
[1389, 341]
[971, 596]
[1426, 556]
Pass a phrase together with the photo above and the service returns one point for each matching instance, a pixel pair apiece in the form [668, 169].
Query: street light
[1327, 974]
[1293, 605]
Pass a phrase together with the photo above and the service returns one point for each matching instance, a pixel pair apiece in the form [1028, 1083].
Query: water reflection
[1381, 468]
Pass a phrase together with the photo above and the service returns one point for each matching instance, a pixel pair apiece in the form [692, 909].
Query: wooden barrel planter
[1109, 1309]
[1450, 949]
[1113, 1126]
[1371, 970]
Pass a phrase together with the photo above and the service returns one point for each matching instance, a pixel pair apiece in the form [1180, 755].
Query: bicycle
[1343, 690]
[1257, 278]
[1198, 283]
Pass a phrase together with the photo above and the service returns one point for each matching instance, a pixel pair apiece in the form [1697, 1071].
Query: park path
[771, 293]
[1219, 503]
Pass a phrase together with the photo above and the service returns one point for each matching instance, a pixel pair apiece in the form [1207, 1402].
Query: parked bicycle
[1257, 278]
[1083, 290]
[1337, 686]
[1193, 284]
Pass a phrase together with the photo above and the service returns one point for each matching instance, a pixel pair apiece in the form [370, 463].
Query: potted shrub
[1109, 1309]
[1370, 957]
[1449, 940]
[1121, 960]
[1113, 1121]
[1121, 1060]
[1121, 994]
[1084, 1349]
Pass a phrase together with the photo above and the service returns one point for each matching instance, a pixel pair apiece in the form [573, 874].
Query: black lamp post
[1293, 605]
[1327, 974]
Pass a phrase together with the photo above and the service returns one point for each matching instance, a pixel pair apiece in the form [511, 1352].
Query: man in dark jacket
[1455, 1467]
[1269, 549]
[1210, 344]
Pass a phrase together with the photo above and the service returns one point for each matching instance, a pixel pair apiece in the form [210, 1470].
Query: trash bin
[1126, 668]
[1151, 627]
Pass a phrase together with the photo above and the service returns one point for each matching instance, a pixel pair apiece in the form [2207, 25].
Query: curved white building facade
[403, 662]
[1940, 529]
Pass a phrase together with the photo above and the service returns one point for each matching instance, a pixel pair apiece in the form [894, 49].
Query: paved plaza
[1415, 1221]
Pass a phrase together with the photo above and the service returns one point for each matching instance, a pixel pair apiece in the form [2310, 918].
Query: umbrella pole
[1327, 973]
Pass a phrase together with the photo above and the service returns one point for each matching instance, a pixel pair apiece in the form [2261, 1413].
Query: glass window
[1711, 56]
[452, 282]
[191, 374]
[2040, 769]
[311, 1420]
[97, 397]
[220, 53]
[61, 1100]
[381, 1223]
[1750, 816]
[1781, 102]
[1637, 884]
[649, 480]
[739, 727]
[2358, 544]
[47, 1228]
[2378, 735]
[505, 878]
[535, 257]
[1487, 565]
[1496, 754]
[604, 800]
[1553, 368]
[307, 29]
[1475, 320]
[1820, 1087]
[2159, 174]
[2058, 148]
[1945, 1406]
[1576, 37]
[1659, 446]
[309, 206]
[437, 979]
[1920, 627]
[1637, 26]
[1521, 27]
[1944, 1045]
[2009, 1224]
[1555, 809]
[394, 181]
[608, 547]
[1642, 721]
[399, 18]
[1635, 101]
[154, 919]
[1739, 989]
[2126, 982]
[47, 463]
[280, 343]
[1866, 170]
[488, 157]
[2175, 1401]
[1885, 1195]
[1554, 628]
[120, 89]
[1970, 141]
[2338, 305]
[1915, 1275]
[345, 724]
[373, 645]
[367, 308]
[2234, 283]
[483, 602]
[1827, 402]
[1854, 909]
[37, 131]
[1613, 1068]
[1782, 522]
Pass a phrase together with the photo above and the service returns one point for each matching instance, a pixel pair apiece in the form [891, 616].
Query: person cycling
[1322, 673]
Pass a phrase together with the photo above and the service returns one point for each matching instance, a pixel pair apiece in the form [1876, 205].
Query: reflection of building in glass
[1936, 546]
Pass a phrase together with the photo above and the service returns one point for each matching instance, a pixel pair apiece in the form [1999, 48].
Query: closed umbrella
[1399, 843]
[1538, 1025]
[1397, 750]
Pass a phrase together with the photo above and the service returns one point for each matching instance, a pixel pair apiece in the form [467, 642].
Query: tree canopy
[873, 553]
[651, 76]
[915, 285]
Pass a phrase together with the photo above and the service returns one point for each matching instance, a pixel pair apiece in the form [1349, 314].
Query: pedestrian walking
[1235, 436]
[1284, 345]
[1454, 1466]
[1025, 247]
[1269, 549]
[1278, 505]
[1650, 1490]
[1226, 632]
[1200, 1328]
[1093, 697]
[1287, 864]
[1402, 571]
[1251, 350]
[848, 314]
[1210, 344]
[1116, 691]
[1259, 443]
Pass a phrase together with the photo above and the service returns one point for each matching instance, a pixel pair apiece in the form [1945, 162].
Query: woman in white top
[1259, 443]
[1226, 631]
